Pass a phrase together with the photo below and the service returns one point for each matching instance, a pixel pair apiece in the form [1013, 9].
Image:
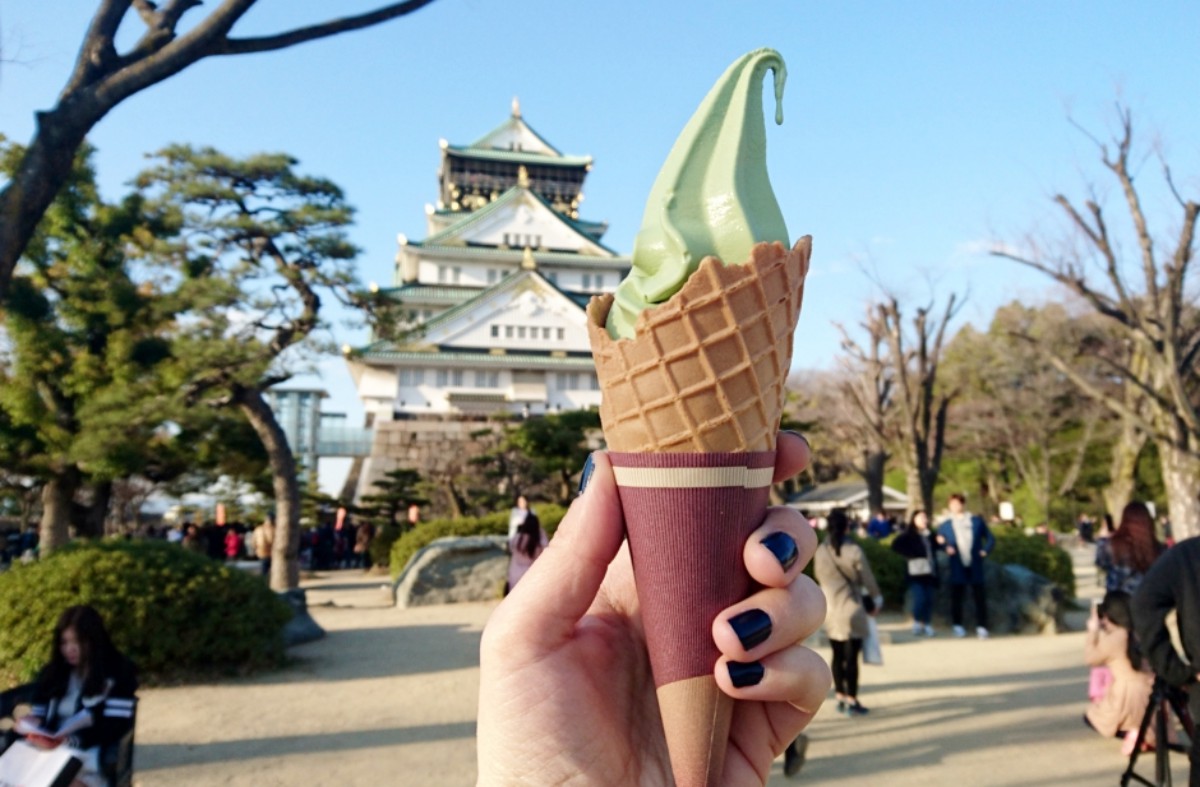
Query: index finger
[792, 454]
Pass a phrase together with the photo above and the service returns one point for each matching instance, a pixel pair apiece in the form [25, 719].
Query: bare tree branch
[241, 46]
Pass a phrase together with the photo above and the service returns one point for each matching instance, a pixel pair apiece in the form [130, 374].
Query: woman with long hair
[84, 697]
[1110, 644]
[842, 571]
[524, 547]
[917, 545]
[1131, 550]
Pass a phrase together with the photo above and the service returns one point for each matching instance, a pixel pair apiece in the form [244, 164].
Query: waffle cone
[705, 371]
[696, 393]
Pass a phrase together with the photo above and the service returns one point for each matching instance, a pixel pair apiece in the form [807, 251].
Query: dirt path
[388, 697]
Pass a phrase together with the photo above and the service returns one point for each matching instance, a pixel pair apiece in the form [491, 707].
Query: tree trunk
[1122, 473]
[58, 495]
[1181, 476]
[916, 493]
[90, 523]
[285, 554]
[873, 466]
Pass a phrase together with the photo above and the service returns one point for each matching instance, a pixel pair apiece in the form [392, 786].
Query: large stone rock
[1019, 601]
[451, 570]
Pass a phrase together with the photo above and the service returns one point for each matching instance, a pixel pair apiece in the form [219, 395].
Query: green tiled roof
[509, 196]
[519, 156]
[430, 293]
[478, 358]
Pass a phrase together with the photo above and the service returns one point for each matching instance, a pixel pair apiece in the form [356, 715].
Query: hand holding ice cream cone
[566, 691]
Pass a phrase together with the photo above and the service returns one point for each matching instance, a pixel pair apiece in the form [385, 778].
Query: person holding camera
[1173, 583]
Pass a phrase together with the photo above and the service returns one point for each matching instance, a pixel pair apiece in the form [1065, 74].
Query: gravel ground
[389, 697]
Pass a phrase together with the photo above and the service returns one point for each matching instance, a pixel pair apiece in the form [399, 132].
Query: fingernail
[752, 627]
[802, 437]
[745, 674]
[586, 475]
[783, 547]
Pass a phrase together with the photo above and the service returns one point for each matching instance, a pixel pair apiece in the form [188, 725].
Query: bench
[116, 759]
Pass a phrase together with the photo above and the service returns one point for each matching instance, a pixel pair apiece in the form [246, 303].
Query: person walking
[524, 548]
[917, 545]
[517, 514]
[1131, 550]
[967, 541]
[842, 571]
[264, 542]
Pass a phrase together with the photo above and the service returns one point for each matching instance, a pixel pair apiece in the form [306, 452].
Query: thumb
[562, 583]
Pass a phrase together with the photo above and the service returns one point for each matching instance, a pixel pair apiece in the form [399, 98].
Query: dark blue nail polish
[745, 674]
[752, 627]
[783, 547]
[586, 475]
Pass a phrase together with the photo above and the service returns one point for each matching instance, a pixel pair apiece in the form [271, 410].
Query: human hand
[951, 551]
[564, 663]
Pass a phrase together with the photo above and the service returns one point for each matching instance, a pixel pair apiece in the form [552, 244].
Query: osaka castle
[495, 293]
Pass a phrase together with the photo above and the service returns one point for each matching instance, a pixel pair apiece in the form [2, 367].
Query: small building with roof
[819, 500]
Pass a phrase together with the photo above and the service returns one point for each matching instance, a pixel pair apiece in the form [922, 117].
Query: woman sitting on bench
[85, 696]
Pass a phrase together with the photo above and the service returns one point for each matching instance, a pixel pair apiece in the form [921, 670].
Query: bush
[496, 524]
[173, 612]
[1036, 554]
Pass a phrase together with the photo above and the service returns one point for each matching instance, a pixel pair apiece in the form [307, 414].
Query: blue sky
[915, 133]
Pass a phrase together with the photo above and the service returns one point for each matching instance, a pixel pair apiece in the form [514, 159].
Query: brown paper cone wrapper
[691, 407]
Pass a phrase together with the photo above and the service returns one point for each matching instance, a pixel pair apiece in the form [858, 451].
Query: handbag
[872, 651]
[28, 766]
[919, 567]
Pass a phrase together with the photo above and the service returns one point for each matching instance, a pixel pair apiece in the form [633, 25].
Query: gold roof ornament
[523, 177]
[528, 263]
[516, 107]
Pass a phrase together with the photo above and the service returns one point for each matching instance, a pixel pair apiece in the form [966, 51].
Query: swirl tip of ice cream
[712, 196]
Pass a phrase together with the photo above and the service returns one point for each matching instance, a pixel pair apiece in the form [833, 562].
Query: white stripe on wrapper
[694, 477]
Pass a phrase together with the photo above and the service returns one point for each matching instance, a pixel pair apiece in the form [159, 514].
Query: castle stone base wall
[431, 447]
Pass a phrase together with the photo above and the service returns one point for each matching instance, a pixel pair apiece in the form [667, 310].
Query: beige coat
[1123, 705]
[842, 579]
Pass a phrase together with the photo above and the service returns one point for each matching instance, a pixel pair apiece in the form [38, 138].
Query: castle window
[457, 274]
[495, 331]
[442, 274]
[456, 378]
[491, 275]
[520, 331]
[443, 377]
[599, 282]
[545, 333]
[561, 334]
[508, 331]
[587, 281]
[487, 379]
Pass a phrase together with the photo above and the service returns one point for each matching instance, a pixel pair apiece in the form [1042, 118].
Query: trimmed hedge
[173, 612]
[491, 525]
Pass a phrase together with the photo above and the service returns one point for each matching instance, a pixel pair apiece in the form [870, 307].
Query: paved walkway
[389, 698]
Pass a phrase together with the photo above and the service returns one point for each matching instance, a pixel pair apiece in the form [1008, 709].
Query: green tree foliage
[173, 612]
[264, 245]
[83, 400]
[557, 445]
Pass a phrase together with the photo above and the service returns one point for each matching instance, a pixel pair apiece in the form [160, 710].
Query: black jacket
[1173, 582]
[112, 710]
